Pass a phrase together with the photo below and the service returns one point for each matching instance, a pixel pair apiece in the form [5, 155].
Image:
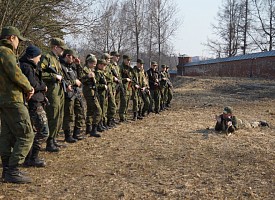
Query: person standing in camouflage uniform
[55, 94]
[144, 90]
[111, 107]
[169, 90]
[117, 79]
[73, 108]
[154, 84]
[28, 65]
[17, 135]
[163, 87]
[126, 75]
[136, 94]
[94, 111]
[102, 89]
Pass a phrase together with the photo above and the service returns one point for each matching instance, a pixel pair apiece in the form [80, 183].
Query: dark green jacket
[12, 81]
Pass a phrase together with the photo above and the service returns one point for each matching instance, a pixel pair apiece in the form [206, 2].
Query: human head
[12, 34]
[126, 60]
[91, 61]
[69, 55]
[154, 65]
[115, 56]
[101, 64]
[140, 63]
[106, 57]
[58, 46]
[33, 53]
[163, 67]
[227, 111]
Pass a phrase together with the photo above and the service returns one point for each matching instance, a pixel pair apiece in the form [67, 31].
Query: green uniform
[136, 96]
[145, 93]
[111, 110]
[153, 78]
[163, 88]
[73, 108]
[94, 111]
[17, 135]
[169, 90]
[55, 93]
[117, 86]
[102, 92]
[126, 72]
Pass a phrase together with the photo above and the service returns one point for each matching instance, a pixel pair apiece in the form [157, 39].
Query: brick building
[260, 65]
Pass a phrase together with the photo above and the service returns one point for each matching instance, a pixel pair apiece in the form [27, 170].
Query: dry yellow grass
[175, 155]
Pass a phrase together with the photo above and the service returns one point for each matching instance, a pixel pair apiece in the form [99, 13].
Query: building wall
[260, 67]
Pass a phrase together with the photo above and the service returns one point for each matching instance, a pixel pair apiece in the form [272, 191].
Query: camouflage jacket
[89, 84]
[126, 72]
[12, 81]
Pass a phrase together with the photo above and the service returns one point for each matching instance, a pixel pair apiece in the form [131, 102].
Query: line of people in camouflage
[47, 93]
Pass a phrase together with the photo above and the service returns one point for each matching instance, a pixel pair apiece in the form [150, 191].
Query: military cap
[140, 61]
[163, 66]
[115, 53]
[228, 110]
[70, 52]
[105, 56]
[102, 61]
[58, 42]
[154, 63]
[91, 57]
[11, 30]
[126, 57]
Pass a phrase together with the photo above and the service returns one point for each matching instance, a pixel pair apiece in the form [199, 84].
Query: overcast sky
[195, 17]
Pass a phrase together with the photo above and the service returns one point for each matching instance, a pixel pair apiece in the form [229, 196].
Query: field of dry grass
[174, 155]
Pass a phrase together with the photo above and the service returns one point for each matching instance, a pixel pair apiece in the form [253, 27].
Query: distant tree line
[137, 27]
[243, 26]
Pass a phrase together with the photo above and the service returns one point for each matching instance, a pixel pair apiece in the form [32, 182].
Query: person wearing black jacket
[29, 67]
[73, 107]
[154, 84]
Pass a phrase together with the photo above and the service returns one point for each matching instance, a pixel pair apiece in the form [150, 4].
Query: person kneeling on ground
[227, 122]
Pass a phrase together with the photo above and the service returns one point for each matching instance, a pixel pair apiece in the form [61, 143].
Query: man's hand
[115, 79]
[128, 79]
[106, 87]
[137, 86]
[77, 61]
[29, 94]
[59, 77]
[78, 83]
[69, 88]
[91, 75]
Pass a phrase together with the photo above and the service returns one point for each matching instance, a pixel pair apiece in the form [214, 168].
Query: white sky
[196, 17]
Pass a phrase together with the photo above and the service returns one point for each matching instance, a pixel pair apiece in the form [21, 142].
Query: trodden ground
[174, 155]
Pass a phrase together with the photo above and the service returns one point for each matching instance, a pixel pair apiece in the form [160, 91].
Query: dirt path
[175, 155]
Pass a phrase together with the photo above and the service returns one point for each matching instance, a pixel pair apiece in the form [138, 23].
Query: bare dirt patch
[175, 155]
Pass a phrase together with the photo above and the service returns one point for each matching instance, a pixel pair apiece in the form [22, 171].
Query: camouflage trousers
[40, 125]
[94, 111]
[73, 113]
[156, 98]
[111, 111]
[17, 135]
[103, 102]
[146, 99]
[124, 104]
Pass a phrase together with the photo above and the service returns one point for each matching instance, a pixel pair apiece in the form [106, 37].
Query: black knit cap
[32, 51]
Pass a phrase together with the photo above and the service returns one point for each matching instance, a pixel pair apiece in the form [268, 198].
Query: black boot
[88, 129]
[94, 133]
[104, 125]
[68, 137]
[33, 160]
[76, 134]
[100, 128]
[5, 165]
[50, 146]
[139, 115]
[135, 116]
[110, 123]
[13, 175]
